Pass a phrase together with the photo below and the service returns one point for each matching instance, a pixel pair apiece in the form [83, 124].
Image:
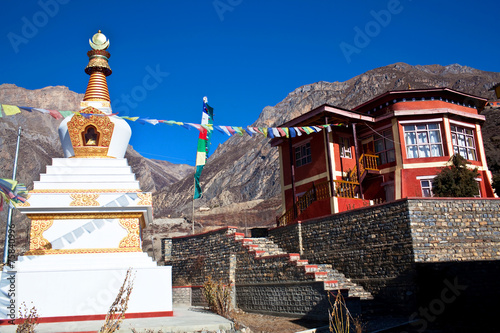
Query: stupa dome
[95, 131]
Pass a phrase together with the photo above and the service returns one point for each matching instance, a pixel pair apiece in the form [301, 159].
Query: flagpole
[192, 219]
[9, 216]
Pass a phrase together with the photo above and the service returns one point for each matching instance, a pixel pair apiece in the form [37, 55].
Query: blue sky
[242, 54]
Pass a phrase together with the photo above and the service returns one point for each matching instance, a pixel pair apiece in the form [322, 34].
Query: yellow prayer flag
[10, 110]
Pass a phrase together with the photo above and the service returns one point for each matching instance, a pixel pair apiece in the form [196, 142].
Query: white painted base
[85, 284]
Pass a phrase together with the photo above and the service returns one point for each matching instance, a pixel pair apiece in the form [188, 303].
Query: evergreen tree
[496, 184]
[456, 180]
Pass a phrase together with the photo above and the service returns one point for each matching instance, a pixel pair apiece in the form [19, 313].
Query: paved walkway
[185, 319]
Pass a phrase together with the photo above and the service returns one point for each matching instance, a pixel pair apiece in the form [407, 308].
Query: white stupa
[87, 213]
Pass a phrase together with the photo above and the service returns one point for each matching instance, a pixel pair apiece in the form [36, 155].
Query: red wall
[436, 104]
[316, 167]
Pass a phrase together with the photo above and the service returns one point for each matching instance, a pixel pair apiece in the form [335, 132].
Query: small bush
[340, 318]
[116, 312]
[218, 297]
[29, 320]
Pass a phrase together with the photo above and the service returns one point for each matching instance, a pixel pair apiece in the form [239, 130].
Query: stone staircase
[263, 248]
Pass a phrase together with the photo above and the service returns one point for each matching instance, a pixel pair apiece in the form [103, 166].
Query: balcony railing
[317, 192]
[366, 162]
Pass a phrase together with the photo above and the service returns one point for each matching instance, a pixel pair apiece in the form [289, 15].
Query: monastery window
[384, 147]
[303, 154]
[463, 142]
[423, 140]
[345, 147]
[426, 185]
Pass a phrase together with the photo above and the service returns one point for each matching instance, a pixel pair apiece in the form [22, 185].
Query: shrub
[29, 320]
[116, 312]
[456, 180]
[218, 296]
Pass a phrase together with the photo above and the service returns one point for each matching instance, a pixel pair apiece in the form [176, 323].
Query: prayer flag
[41, 110]
[10, 110]
[130, 118]
[203, 145]
[238, 130]
[66, 113]
[56, 114]
[249, 132]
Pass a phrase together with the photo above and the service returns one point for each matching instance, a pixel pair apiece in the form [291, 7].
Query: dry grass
[116, 312]
[340, 318]
[29, 320]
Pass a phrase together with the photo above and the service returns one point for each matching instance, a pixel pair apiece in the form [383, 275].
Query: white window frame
[345, 150]
[430, 179]
[470, 152]
[422, 145]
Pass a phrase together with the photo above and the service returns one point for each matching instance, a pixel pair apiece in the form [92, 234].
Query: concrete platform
[185, 319]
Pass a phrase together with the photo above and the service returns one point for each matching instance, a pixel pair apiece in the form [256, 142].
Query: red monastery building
[388, 148]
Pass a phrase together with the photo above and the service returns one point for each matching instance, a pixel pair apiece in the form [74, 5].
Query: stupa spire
[98, 68]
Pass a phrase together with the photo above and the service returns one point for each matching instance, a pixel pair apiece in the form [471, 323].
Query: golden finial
[99, 41]
[98, 68]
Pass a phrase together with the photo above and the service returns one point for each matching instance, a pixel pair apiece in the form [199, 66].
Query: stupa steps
[85, 260]
[87, 170]
[264, 248]
[90, 162]
[109, 184]
[64, 178]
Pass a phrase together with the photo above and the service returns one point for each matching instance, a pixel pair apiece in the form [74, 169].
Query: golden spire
[98, 69]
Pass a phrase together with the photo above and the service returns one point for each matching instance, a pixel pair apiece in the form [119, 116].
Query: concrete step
[331, 285]
[301, 262]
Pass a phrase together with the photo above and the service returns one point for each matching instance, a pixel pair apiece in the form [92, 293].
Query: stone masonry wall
[270, 284]
[371, 245]
[195, 258]
[455, 229]
[379, 246]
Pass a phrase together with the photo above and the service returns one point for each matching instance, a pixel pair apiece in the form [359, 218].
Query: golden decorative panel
[38, 227]
[68, 216]
[84, 199]
[85, 191]
[82, 251]
[146, 199]
[133, 238]
[99, 126]
[41, 222]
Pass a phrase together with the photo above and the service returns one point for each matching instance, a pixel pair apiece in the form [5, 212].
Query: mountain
[246, 170]
[240, 182]
[40, 143]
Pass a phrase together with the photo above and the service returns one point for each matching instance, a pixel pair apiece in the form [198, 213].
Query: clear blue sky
[242, 54]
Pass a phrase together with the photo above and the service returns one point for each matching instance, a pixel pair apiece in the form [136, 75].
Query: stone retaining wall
[297, 298]
[455, 229]
[378, 246]
[372, 246]
[381, 247]
[195, 258]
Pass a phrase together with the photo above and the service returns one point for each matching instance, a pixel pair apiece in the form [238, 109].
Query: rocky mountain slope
[241, 179]
[40, 143]
[246, 169]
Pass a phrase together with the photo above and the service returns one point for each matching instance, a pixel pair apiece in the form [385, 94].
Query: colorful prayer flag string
[270, 132]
